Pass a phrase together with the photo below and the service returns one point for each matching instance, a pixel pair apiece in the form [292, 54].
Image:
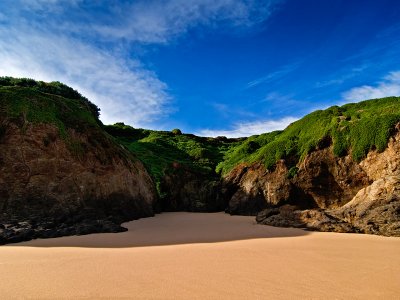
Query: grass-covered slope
[353, 128]
[161, 150]
[41, 102]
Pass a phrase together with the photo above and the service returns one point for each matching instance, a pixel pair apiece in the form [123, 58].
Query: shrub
[176, 131]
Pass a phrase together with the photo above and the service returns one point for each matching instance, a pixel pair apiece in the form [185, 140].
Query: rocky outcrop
[321, 180]
[326, 193]
[253, 188]
[311, 219]
[185, 189]
[80, 182]
[375, 209]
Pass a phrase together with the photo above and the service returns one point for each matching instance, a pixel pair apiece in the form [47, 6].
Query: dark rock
[266, 213]
[16, 235]
[191, 190]
[47, 191]
[312, 219]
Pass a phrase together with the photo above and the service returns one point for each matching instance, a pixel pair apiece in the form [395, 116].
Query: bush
[176, 131]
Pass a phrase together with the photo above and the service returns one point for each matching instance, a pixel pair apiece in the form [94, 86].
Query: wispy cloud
[87, 48]
[42, 5]
[123, 89]
[346, 74]
[276, 75]
[389, 86]
[160, 21]
[246, 129]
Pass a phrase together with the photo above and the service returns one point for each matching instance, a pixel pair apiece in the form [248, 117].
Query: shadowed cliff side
[60, 173]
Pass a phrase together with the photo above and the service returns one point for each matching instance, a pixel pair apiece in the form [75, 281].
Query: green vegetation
[163, 151]
[176, 131]
[26, 101]
[54, 88]
[242, 151]
[292, 172]
[353, 128]
[29, 105]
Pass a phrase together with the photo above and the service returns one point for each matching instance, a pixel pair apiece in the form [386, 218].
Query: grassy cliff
[160, 151]
[28, 102]
[41, 102]
[354, 128]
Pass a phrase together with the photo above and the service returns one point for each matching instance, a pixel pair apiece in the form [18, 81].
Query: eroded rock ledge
[327, 193]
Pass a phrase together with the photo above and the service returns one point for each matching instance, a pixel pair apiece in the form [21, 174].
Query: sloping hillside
[354, 128]
[182, 165]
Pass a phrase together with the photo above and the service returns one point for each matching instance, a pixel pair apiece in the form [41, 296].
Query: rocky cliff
[327, 193]
[62, 172]
[63, 175]
[182, 166]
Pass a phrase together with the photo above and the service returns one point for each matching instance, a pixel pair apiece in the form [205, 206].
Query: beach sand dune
[203, 256]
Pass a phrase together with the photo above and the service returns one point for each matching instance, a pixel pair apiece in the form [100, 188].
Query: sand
[203, 256]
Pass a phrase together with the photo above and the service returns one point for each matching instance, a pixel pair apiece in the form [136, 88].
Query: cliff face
[327, 193]
[45, 178]
[57, 182]
[61, 173]
[182, 166]
[376, 208]
[322, 181]
[188, 190]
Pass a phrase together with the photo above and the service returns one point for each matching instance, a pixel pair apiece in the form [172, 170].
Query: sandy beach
[203, 256]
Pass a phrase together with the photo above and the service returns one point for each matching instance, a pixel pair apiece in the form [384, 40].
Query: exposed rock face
[322, 181]
[376, 208]
[312, 219]
[378, 165]
[327, 193]
[68, 181]
[329, 181]
[252, 188]
[188, 190]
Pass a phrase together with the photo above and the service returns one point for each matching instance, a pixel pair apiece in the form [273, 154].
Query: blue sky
[210, 67]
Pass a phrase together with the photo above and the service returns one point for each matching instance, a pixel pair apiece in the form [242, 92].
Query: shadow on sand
[174, 228]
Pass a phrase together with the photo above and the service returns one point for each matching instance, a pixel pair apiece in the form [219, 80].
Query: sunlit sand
[203, 256]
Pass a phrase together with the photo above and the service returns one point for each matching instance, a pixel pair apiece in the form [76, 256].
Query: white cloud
[123, 89]
[250, 128]
[62, 40]
[278, 74]
[51, 6]
[390, 86]
[160, 21]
